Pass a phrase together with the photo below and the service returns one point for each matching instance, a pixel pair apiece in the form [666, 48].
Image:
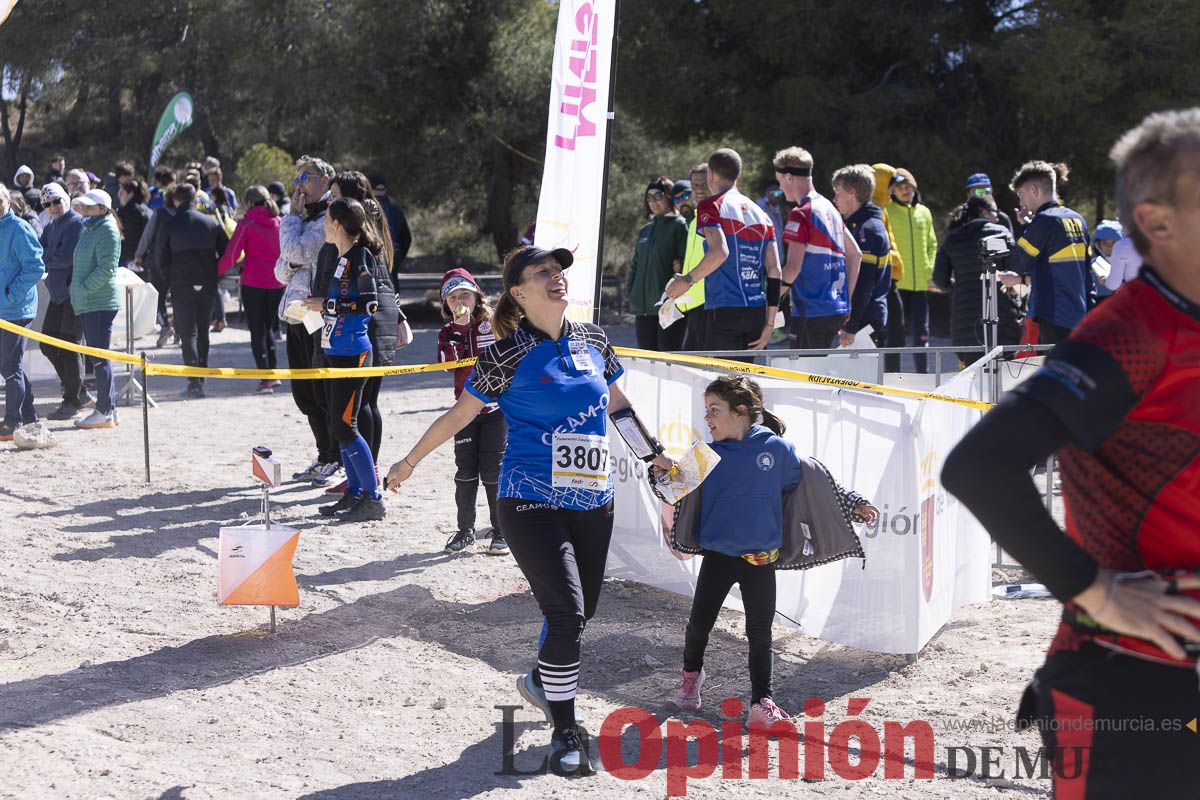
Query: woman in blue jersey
[554, 381]
[347, 306]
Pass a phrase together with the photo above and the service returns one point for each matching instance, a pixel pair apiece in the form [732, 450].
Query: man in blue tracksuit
[853, 187]
[1051, 253]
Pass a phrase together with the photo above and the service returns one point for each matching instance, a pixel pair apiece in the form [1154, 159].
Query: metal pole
[146, 416]
[612, 97]
[1050, 465]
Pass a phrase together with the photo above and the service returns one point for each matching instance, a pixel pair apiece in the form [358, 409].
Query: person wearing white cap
[59, 239]
[94, 294]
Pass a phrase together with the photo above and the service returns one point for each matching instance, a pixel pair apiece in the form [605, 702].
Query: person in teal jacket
[21, 268]
[657, 256]
[912, 223]
[94, 295]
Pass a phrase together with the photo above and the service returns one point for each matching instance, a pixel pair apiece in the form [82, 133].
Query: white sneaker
[307, 473]
[326, 473]
[98, 420]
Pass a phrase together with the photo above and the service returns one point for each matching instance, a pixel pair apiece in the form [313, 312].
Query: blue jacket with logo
[741, 508]
[868, 305]
[21, 268]
[1053, 250]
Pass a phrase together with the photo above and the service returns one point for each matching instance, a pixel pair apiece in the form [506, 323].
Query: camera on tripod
[992, 251]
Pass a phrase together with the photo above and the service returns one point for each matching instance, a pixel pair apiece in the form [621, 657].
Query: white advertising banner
[569, 209]
[925, 557]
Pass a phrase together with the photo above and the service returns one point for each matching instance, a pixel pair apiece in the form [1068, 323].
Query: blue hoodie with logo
[741, 507]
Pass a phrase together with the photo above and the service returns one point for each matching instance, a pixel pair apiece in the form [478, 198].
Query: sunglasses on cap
[981, 191]
[656, 195]
[682, 196]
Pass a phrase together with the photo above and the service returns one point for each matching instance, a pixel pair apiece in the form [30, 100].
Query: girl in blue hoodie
[740, 531]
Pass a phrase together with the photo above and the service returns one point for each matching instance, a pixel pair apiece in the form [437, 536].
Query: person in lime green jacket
[94, 295]
[913, 225]
[692, 302]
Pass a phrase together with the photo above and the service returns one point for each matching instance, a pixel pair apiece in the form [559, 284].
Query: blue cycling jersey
[554, 395]
[351, 288]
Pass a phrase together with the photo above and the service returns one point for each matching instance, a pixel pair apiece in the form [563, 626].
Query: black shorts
[1116, 724]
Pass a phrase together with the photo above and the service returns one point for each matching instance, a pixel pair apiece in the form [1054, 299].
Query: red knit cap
[458, 278]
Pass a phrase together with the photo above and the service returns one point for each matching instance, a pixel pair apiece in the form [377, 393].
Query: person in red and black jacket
[1119, 403]
[479, 447]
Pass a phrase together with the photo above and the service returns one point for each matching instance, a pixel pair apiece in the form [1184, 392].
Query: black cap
[378, 183]
[275, 187]
[525, 256]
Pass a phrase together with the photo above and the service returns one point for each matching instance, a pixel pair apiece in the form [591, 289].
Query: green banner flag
[175, 119]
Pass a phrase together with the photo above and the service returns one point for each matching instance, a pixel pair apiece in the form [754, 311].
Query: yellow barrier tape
[181, 371]
[94, 352]
[803, 377]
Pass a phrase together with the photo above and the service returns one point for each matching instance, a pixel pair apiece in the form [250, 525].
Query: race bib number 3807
[579, 461]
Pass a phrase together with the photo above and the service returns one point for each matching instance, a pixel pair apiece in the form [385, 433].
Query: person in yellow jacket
[895, 329]
[692, 302]
[912, 224]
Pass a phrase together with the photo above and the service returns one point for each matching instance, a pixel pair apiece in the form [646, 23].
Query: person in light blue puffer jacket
[21, 267]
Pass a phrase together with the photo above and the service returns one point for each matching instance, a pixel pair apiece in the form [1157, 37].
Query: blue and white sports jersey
[554, 395]
[740, 281]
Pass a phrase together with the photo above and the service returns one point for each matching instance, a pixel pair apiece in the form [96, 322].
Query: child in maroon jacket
[478, 447]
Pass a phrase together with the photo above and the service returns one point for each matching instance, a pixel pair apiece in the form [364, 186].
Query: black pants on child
[718, 574]
[478, 449]
[261, 306]
[562, 554]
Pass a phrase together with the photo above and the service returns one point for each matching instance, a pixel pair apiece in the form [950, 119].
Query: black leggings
[478, 450]
[309, 395]
[1115, 724]
[370, 420]
[261, 306]
[344, 396]
[562, 554]
[718, 574]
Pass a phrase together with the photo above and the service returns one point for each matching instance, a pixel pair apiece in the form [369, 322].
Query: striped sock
[559, 680]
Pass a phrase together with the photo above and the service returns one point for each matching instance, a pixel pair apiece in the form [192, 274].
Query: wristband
[773, 285]
[410, 464]
[640, 442]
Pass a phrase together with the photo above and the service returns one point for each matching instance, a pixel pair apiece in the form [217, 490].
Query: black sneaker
[344, 503]
[460, 541]
[498, 547]
[567, 750]
[365, 509]
[64, 412]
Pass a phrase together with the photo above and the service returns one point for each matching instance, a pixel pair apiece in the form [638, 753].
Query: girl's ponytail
[507, 317]
[773, 423]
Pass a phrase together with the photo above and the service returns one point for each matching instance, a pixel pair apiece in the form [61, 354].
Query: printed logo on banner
[581, 92]
[928, 513]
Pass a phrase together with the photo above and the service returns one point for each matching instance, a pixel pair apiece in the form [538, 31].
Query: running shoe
[326, 474]
[365, 509]
[765, 712]
[460, 541]
[344, 503]
[64, 412]
[566, 747]
[218, 326]
[265, 387]
[308, 472]
[193, 392]
[498, 547]
[275, 384]
[534, 695]
[341, 488]
[98, 420]
[165, 335]
[687, 691]
[6, 433]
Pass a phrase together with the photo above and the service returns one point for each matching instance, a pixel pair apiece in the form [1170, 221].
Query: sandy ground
[120, 677]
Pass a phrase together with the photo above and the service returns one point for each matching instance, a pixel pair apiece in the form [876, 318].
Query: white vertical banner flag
[6, 7]
[570, 207]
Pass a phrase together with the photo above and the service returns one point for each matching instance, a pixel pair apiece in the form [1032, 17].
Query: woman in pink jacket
[257, 236]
